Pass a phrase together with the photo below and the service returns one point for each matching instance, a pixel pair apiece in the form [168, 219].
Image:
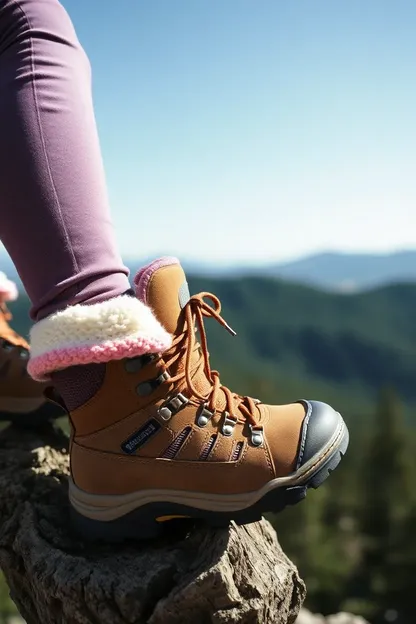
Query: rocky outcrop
[239, 574]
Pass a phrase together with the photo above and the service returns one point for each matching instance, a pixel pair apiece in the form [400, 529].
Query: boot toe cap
[319, 427]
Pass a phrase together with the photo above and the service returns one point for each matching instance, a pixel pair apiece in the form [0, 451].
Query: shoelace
[185, 344]
[6, 332]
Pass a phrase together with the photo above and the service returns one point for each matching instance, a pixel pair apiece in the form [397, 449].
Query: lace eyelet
[172, 406]
[228, 425]
[7, 346]
[204, 416]
[147, 387]
[135, 364]
[257, 435]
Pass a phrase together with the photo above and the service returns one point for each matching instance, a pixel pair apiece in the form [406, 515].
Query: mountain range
[334, 271]
[349, 272]
[295, 341]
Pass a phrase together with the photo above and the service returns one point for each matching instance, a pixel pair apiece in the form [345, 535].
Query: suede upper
[183, 429]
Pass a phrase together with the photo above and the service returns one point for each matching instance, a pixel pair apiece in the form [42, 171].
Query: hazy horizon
[255, 132]
[218, 263]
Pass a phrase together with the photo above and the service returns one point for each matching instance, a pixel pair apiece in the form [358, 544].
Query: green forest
[354, 539]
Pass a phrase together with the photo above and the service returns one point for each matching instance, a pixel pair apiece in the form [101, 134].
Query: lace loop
[184, 346]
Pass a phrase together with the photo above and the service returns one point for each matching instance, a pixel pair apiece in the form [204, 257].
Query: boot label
[140, 437]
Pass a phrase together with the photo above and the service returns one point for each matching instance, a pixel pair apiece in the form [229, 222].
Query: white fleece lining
[81, 325]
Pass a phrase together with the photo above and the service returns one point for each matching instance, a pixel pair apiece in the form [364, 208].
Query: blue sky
[258, 130]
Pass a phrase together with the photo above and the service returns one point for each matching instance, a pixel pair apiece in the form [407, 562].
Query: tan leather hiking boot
[21, 398]
[163, 438]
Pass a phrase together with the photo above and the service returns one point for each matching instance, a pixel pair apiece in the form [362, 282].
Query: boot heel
[132, 526]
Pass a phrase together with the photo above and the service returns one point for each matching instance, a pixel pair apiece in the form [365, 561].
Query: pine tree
[386, 500]
[402, 570]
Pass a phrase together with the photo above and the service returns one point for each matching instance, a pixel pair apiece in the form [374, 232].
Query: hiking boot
[162, 438]
[21, 398]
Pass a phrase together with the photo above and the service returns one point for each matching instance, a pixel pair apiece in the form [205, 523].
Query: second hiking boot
[162, 438]
[22, 401]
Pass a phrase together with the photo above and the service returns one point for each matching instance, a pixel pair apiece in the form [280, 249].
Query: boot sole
[150, 520]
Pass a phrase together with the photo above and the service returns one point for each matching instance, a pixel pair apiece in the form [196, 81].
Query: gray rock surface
[237, 575]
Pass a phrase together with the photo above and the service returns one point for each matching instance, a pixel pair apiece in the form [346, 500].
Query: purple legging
[54, 218]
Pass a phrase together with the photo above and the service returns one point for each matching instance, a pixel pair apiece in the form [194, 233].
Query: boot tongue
[163, 287]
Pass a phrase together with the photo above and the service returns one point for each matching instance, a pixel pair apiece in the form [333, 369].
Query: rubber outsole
[143, 523]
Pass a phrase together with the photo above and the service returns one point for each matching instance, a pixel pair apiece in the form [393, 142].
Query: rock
[194, 575]
[306, 617]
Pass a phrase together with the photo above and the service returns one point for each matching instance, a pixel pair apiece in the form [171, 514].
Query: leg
[51, 175]
[157, 436]
[54, 217]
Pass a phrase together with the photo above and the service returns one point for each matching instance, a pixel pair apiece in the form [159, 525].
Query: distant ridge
[342, 271]
[295, 340]
[336, 271]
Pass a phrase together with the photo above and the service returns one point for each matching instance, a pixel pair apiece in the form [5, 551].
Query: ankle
[78, 384]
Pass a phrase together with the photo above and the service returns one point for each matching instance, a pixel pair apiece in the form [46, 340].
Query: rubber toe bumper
[320, 425]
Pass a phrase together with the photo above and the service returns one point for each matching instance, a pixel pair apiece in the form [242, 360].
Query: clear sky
[255, 129]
